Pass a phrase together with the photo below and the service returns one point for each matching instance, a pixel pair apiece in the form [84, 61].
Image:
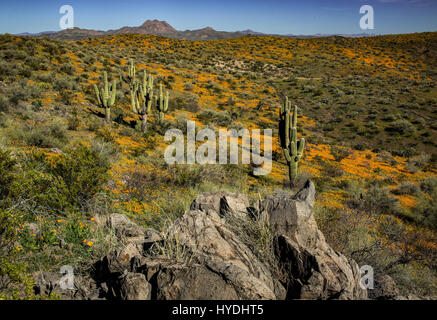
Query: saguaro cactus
[161, 103]
[131, 80]
[292, 148]
[142, 98]
[106, 95]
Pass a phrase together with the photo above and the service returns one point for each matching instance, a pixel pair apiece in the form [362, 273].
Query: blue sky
[269, 16]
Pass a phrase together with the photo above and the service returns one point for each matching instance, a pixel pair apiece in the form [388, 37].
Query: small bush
[401, 126]
[4, 103]
[7, 173]
[52, 135]
[64, 182]
[339, 153]
[406, 188]
[429, 185]
[374, 200]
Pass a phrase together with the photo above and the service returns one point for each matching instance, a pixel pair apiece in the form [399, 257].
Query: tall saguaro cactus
[161, 103]
[106, 95]
[131, 81]
[142, 98]
[292, 148]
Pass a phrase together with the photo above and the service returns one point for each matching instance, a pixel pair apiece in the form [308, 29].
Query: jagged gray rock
[216, 246]
[48, 283]
[313, 270]
[221, 202]
[134, 286]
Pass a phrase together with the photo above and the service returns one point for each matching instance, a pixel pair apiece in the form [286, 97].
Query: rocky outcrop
[201, 256]
[218, 248]
[49, 283]
[312, 269]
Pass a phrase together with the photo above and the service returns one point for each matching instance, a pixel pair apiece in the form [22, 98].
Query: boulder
[129, 232]
[119, 260]
[311, 268]
[134, 286]
[49, 283]
[221, 202]
[124, 228]
[216, 246]
[174, 280]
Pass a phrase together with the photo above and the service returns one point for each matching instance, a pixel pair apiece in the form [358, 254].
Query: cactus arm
[287, 127]
[113, 93]
[96, 89]
[301, 148]
[287, 155]
[166, 102]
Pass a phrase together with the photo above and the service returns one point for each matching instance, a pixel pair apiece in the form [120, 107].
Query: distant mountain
[155, 27]
[40, 34]
[251, 32]
[162, 28]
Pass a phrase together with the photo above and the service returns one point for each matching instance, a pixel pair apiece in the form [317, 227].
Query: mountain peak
[157, 26]
[207, 29]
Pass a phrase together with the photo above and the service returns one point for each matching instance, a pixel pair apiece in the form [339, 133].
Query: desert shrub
[418, 162]
[188, 103]
[23, 92]
[429, 185]
[66, 97]
[374, 200]
[106, 133]
[67, 69]
[401, 126]
[52, 135]
[219, 118]
[406, 188]
[73, 120]
[333, 170]
[187, 176]
[139, 182]
[7, 173]
[425, 213]
[15, 283]
[84, 173]
[339, 153]
[359, 147]
[62, 83]
[64, 182]
[4, 103]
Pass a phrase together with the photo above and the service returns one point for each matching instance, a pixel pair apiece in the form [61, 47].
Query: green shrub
[52, 135]
[64, 182]
[425, 213]
[401, 126]
[23, 92]
[406, 188]
[62, 83]
[7, 173]
[339, 153]
[219, 118]
[16, 284]
[429, 185]
[374, 200]
[4, 103]
[83, 172]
